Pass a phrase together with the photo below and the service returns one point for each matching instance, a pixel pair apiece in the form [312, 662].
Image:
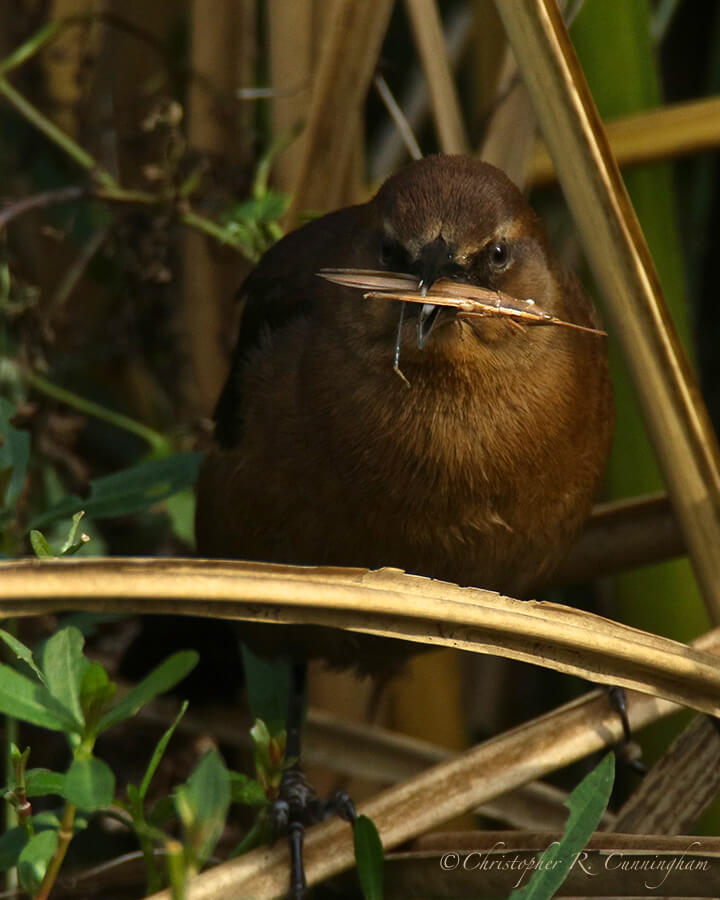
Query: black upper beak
[433, 258]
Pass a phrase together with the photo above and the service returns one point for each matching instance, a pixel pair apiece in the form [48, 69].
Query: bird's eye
[499, 255]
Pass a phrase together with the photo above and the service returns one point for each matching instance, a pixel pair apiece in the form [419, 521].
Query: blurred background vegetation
[148, 155]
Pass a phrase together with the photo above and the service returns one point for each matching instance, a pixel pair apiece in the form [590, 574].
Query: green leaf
[14, 453]
[269, 207]
[161, 679]
[130, 490]
[40, 546]
[261, 736]
[369, 858]
[160, 748]
[96, 692]
[46, 819]
[17, 768]
[268, 688]
[162, 811]
[181, 511]
[31, 702]
[202, 804]
[22, 652]
[587, 803]
[71, 545]
[41, 782]
[11, 845]
[247, 790]
[89, 783]
[34, 859]
[63, 662]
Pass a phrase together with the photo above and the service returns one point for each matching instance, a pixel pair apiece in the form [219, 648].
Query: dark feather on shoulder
[279, 290]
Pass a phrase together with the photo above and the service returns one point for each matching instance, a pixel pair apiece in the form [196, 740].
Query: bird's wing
[283, 287]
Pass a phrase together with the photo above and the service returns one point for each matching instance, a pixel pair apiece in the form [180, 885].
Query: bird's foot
[628, 750]
[297, 807]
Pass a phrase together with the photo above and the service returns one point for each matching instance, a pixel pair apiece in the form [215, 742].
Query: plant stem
[38, 40]
[10, 736]
[64, 837]
[207, 226]
[177, 872]
[158, 443]
[107, 187]
[55, 134]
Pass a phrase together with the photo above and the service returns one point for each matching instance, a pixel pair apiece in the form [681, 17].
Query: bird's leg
[298, 805]
[296, 710]
[618, 701]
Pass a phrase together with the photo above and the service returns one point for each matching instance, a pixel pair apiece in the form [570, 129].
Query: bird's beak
[426, 319]
[432, 257]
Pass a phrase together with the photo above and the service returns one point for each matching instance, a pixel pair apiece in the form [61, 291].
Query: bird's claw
[279, 818]
[298, 806]
[628, 751]
[342, 805]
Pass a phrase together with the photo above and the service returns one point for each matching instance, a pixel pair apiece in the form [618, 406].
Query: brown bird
[480, 470]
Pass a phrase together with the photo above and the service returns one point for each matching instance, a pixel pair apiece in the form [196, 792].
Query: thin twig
[117, 194]
[77, 268]
[108, 189]
[398, 116]
[65, 833]
[40, 201]
[158, 443]
[55, 134]
[53, 30]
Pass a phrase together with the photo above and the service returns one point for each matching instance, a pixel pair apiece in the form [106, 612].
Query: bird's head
[458, 218]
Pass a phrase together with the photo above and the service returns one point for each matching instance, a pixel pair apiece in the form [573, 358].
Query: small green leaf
[260, 735]
[34, 859]
[269, 207]
[11, 845]
[162, 811]
[369, 858]
[71, 545]
[268, 688]
[46, 819]
[41, 782]
[587, 803]
[202, 804]
[161, 679]
[64, 663]
[160, 748]
[130, 490]
[40, 546]
[247, 790]
[22, 652]
[31, 702]
[181, 511]
[89, 783]
[96, 692]
[18, 766]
